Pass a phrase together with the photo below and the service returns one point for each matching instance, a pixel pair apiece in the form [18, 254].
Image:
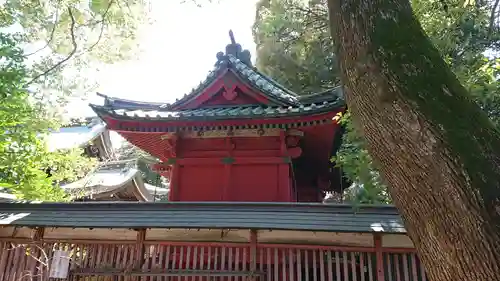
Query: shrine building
[238, 136]
[248, 163]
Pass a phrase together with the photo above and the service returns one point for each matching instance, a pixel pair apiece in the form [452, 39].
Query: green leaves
[128, 151]
[27, 168]
[294, 46]
[99, 6]
[357, 164]
[59, 39]
[62, 38]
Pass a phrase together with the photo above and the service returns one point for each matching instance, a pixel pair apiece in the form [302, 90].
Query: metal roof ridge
[292, 205]
[128, 100]
[120, 103]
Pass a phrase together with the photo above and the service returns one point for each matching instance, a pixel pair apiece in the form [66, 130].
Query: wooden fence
[176, 261]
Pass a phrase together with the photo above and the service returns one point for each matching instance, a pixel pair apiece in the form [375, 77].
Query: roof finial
[231, 36]
[234, 49]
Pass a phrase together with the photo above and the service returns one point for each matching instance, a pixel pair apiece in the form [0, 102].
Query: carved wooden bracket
[295, 152]
[230, 83]
[229, 93]
[171, 144]
[293, 137]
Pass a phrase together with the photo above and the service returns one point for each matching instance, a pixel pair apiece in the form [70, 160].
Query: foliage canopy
[294, 45]
[47, 49]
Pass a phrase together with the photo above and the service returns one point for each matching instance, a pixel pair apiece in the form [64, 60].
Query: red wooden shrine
[239, 136]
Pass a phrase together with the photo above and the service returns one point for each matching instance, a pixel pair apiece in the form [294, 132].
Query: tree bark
[436, 149]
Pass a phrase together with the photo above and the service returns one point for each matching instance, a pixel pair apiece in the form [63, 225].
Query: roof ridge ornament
[236, 51]
[231, 37]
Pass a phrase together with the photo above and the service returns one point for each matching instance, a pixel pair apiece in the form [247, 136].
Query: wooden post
[284, 189]
[377, 241]
[173, 148]
[253, 253]
[38, 234]
[139, 253]
[226, 193]
[139, 248]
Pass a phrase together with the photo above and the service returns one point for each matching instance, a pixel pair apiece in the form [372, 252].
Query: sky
[177, 51]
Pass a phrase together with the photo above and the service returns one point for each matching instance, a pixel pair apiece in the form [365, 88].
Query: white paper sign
[60, 265]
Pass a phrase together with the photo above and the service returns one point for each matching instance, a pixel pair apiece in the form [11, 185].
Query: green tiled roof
[249, 74]
[225, 215]
[283, 101]
[264, 83]
[221, 113]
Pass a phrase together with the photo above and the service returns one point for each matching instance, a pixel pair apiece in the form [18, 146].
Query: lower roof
[205, 215]
[219, 113]
[76, 136]
[112, 178]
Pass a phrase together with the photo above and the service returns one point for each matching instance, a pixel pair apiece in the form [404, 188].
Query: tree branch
[103, 24]
[493, 17]
[98, 39]
[103, 17]
[51, 37]
[61, 62]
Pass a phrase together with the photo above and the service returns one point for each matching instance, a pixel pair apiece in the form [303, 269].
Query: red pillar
[377, 241]
[173, 147]
[174, 183]
[226, 193]
[284, 188]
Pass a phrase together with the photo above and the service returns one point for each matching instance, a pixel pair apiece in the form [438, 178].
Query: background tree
[66, 40]
[144, 160]
[437, 150]
[21, 148]
[294, 45]
[50, 48]
[462, 34]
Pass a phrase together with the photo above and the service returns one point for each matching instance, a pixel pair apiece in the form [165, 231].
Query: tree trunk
[436, 149]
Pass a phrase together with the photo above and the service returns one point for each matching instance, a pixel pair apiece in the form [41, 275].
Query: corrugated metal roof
[232, 215]
[73, 137]
[130, 104]
[110, 178]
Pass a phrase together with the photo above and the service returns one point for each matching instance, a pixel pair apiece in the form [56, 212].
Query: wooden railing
[172, 261]
[405, 267]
